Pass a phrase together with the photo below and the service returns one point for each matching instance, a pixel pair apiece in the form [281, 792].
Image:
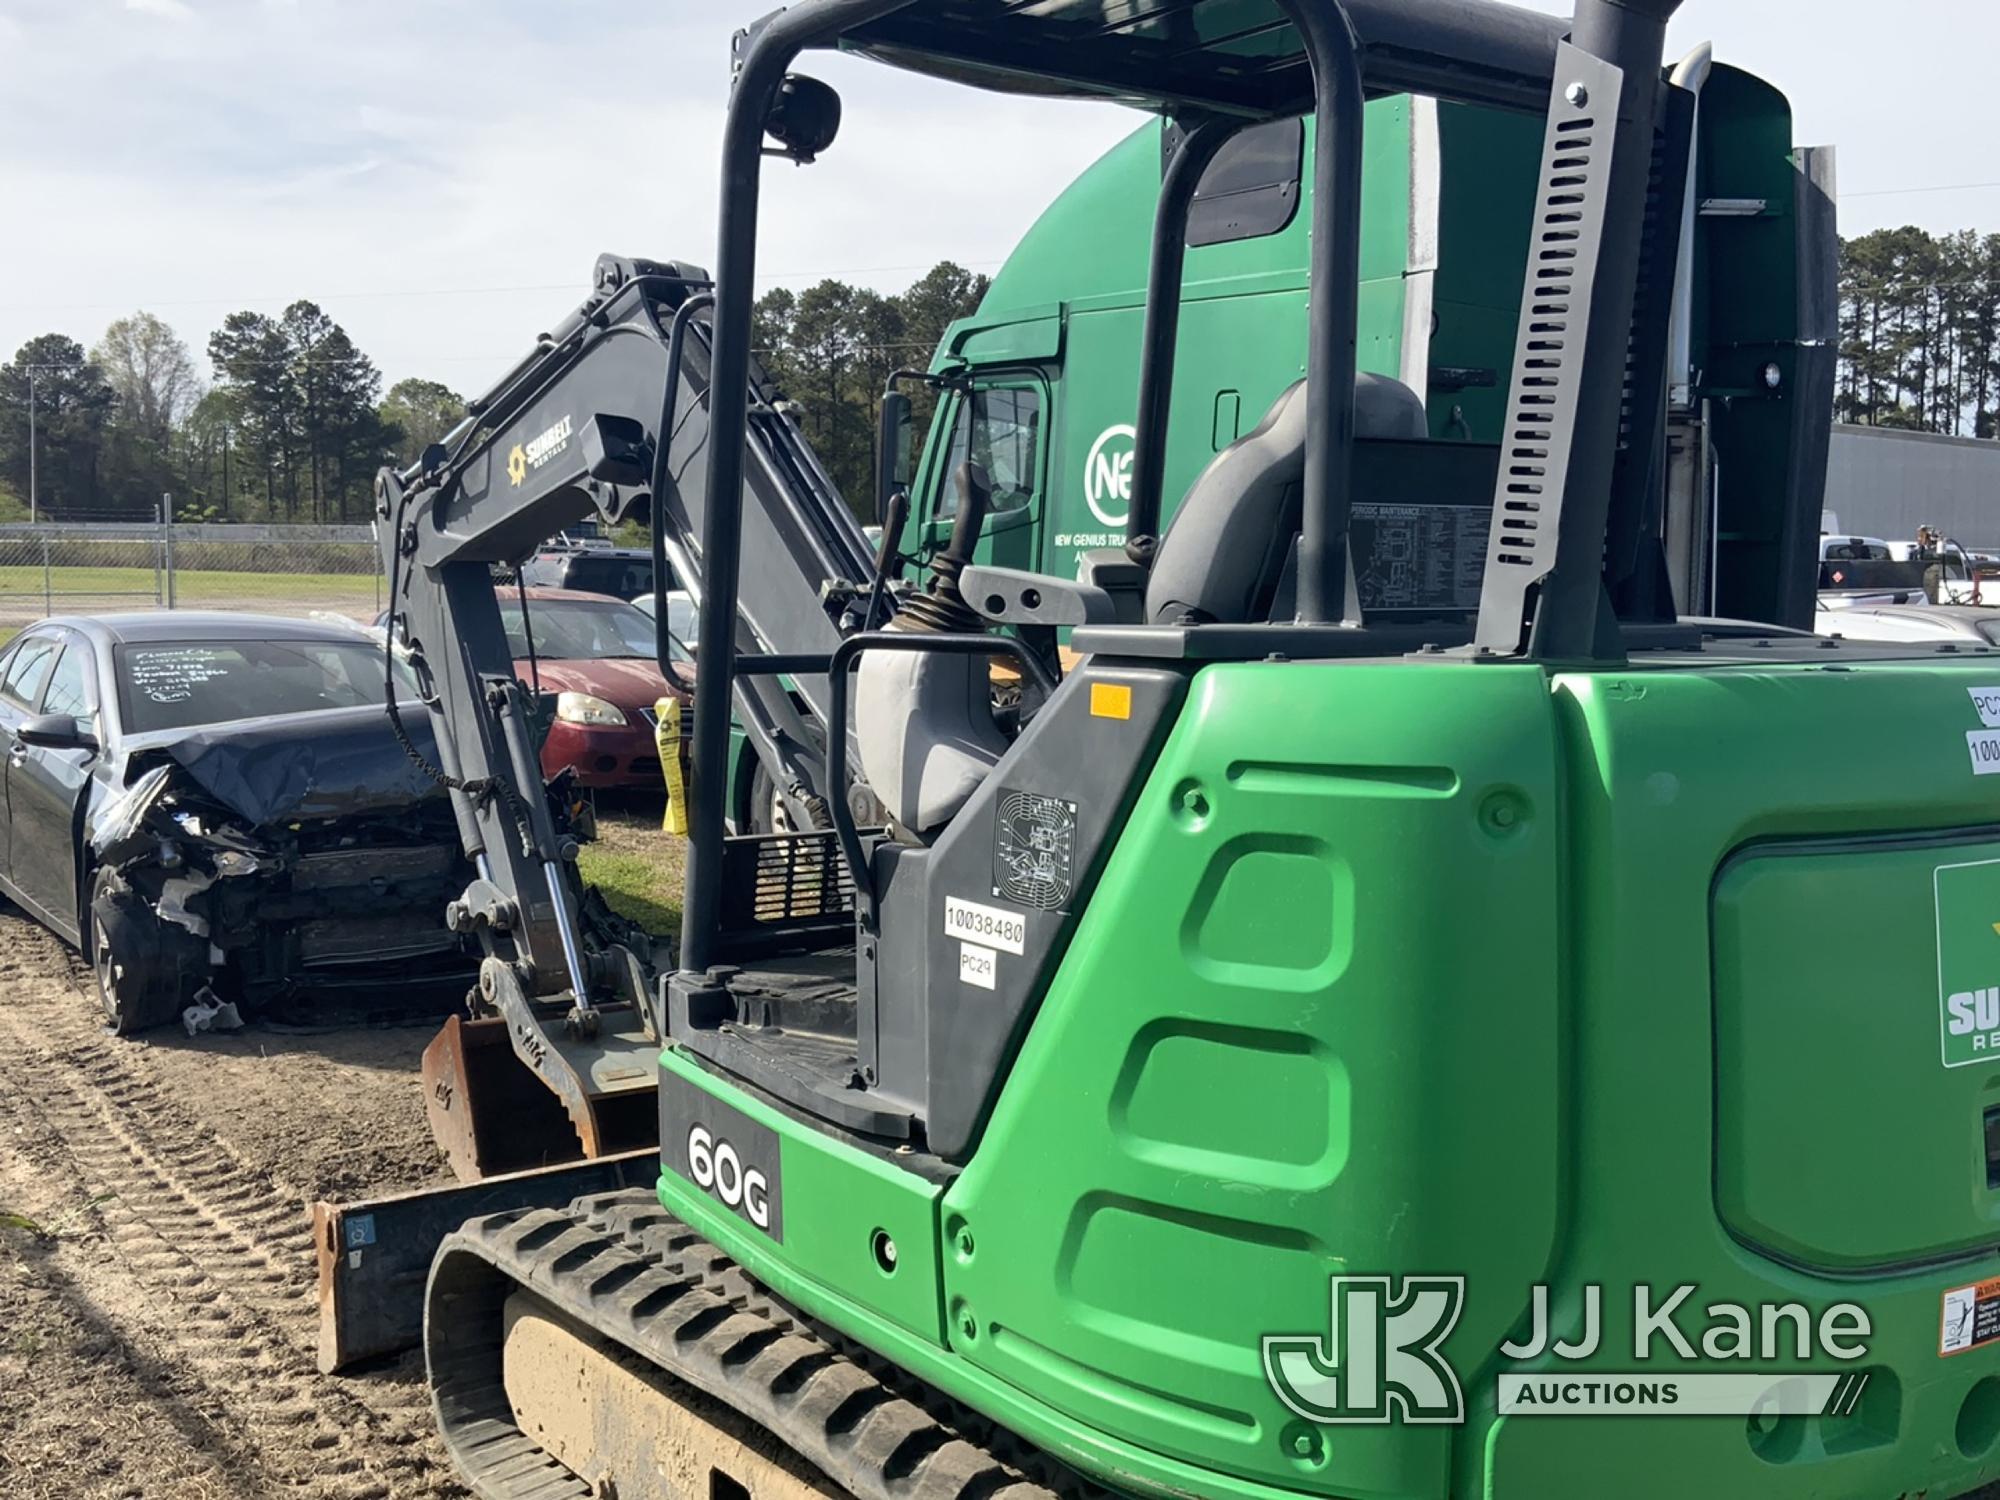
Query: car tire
[768, 813]
[139, 982]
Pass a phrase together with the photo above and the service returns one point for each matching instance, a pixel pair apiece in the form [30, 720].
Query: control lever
[894, 520]
[943, 610]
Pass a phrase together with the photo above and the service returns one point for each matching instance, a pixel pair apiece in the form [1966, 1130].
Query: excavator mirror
[893, 446]
[804, 118]
[615, 450]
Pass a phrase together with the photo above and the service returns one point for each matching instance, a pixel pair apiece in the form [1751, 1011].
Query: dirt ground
[158, 1308]
[157, 1304]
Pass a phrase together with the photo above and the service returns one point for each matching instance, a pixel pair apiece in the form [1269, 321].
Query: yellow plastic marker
[1110, 700]
[667, 736]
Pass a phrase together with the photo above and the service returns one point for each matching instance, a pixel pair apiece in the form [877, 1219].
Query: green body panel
[1430, 968]
[1672, 777]
[836, 1200]
[1809, 939]
[1281, 1029]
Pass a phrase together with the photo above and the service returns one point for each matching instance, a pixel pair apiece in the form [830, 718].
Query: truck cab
[1041, 379]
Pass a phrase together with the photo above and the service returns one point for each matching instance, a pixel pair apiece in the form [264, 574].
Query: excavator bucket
[491, 1113]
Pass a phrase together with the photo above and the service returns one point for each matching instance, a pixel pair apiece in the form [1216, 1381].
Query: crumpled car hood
[305, 767]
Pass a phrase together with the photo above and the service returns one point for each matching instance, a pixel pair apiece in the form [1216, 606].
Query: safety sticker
[986, 926]
[1034, 850]
[1987, 701]
[1971, 1317]
[978, 966]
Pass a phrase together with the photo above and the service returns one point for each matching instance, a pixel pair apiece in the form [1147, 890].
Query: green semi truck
[1050, 361]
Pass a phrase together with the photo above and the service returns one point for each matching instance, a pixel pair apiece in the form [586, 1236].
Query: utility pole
[35, 372]
[34, 506]
[167, 544]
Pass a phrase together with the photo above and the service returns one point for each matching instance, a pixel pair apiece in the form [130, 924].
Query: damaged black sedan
[215, 809]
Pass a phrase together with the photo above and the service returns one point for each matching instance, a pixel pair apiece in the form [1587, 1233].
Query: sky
[440, 175]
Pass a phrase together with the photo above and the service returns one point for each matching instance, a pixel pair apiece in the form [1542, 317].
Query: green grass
[638, 867]
[68, 587]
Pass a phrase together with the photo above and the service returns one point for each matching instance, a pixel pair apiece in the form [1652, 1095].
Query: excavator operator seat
[1225, 553]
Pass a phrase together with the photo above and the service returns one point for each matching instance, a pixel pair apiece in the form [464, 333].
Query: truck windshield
[186, 684]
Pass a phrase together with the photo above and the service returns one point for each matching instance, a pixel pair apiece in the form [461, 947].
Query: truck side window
[1251, 189]
[1001, 428]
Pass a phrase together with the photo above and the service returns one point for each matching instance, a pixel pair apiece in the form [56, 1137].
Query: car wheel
[768, 813]
[138, 983]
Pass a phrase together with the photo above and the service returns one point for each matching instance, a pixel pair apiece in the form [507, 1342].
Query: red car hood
[627, 682]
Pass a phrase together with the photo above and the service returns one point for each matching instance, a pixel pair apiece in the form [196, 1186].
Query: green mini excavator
[1522, 1044]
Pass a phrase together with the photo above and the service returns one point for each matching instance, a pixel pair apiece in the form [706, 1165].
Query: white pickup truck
[1866, 570]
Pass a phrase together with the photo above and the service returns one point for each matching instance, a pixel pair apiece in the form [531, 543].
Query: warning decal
[1971, 1317]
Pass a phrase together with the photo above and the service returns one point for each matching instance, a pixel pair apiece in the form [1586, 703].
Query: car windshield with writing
[185, 684]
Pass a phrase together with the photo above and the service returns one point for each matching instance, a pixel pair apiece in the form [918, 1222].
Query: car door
[44, 787]
[22, 677]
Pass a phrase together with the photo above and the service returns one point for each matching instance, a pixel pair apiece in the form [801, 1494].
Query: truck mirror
[615, 451]
[894, 449]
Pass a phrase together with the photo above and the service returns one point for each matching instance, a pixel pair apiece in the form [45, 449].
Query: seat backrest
[1223, 555]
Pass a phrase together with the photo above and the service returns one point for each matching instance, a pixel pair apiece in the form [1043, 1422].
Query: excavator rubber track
[621, 1267]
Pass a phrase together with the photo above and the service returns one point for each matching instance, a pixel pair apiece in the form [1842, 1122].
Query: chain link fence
[59, 568]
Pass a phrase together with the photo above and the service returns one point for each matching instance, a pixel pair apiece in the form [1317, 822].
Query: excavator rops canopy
[1235, 57]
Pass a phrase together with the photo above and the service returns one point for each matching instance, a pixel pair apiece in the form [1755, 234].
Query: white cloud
[172, 10]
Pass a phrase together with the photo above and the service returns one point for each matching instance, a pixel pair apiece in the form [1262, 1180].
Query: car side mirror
[894, 446]
[55, 732]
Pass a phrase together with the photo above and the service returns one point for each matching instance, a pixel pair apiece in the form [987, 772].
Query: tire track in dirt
[226, 1248]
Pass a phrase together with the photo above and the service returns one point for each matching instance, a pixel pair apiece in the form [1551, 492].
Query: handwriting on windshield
[171, 676]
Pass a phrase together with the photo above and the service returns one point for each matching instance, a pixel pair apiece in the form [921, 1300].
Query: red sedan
[595, 654]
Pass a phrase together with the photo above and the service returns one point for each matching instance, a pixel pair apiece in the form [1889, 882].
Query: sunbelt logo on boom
[1968, 956]
[1381, 1358]
[530, 456]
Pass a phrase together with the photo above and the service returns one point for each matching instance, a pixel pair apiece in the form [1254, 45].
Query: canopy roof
[1240, 57]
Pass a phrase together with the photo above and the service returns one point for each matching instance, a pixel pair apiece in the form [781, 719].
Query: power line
[1947, 187]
